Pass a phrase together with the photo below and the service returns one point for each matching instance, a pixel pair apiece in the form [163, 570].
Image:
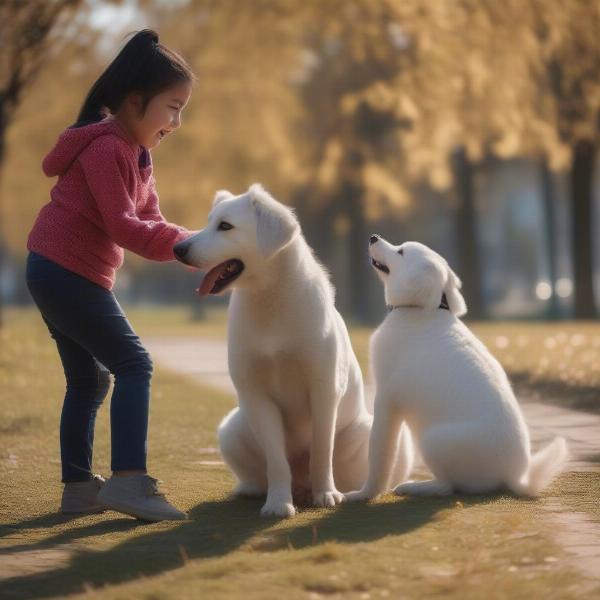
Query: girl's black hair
[144, 66]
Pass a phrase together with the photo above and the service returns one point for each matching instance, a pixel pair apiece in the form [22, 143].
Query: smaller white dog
[433, 373]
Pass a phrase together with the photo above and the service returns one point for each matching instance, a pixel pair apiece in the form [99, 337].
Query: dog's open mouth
[380, 266]
[219, 277]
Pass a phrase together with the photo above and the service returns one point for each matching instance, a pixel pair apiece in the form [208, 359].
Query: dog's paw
[277, 508]
[430, 487]
[327, 498]
[357, 496]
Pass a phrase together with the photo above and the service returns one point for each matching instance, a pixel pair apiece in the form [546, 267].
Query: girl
[105, 200]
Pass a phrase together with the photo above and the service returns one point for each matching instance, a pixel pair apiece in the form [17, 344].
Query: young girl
[105, 200]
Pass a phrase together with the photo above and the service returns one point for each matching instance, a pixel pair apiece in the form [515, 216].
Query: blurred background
[470, 125]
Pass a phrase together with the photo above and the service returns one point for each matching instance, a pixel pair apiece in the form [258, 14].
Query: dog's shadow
[216, 528]
[361, 522]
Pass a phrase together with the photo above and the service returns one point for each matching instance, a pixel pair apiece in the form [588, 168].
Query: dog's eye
[224, 226]
[401, 252]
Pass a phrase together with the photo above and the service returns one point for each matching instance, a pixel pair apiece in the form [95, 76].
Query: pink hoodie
[104, 200]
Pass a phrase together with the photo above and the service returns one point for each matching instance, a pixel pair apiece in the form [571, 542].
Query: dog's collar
[443, 304]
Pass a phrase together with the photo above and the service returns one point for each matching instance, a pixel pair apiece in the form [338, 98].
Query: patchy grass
[457, 548]
[149, 320]
[559, 358]
[552, 362]
[179, 321]
[555, 362]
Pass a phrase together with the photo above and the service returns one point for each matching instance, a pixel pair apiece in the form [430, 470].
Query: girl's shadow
[216, 528]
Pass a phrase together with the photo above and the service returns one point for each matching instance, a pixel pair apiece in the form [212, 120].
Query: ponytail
[144, 65]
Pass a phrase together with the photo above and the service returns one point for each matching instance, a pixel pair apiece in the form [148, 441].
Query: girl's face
[161, 117]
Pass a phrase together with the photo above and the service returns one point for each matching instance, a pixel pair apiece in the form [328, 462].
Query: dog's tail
[544, 466]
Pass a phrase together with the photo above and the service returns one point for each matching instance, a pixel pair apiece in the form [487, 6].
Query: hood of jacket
[74, 140]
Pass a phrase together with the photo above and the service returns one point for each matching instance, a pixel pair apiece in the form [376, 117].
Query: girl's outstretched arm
[110, 171]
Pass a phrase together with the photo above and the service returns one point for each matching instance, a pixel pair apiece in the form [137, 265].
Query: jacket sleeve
[108, 170]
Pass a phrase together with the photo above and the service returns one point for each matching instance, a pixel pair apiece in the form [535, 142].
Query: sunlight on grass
[569, 352]
[557, 362]
[563, 352]
[394, 548]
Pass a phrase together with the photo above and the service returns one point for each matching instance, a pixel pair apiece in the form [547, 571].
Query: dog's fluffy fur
[302, 423]
[434, 374]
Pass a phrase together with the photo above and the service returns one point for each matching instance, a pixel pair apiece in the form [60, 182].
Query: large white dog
[302, 421]
[433, 373]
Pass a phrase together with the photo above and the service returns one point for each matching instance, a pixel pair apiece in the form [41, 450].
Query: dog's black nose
[181, 249]
[374, 238]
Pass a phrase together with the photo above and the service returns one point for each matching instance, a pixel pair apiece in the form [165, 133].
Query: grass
[555, 362]
[178, 321]
[558, 362]
[461, 547]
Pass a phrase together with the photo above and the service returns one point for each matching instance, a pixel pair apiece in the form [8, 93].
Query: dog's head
[415, 275]
[242, 235]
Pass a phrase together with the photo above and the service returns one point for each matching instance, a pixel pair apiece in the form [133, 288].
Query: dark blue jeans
[94, 338]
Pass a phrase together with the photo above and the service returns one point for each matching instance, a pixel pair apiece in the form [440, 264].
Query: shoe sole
[91, 511]
[140, 514]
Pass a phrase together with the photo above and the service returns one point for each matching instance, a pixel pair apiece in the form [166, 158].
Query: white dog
[433, 373]
[302, 420]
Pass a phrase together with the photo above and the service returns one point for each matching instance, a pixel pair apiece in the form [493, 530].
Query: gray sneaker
[138, 496]
[81, 497]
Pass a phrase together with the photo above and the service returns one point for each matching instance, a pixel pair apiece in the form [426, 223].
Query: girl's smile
[161, 117]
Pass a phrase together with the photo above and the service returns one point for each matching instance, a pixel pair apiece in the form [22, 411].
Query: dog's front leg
[324, 407]
[267, 425]
[383, 450]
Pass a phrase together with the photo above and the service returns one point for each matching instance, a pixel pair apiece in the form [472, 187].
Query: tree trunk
[347, 202]
[316, 220]
[466, 227]
[351, 204]
[582, 173]
[549, 202]
[3, 128]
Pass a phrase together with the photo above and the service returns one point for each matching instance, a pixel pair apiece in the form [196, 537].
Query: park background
[470, 125]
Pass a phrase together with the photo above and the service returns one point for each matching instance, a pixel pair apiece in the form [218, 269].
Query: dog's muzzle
[180, 251]
[373, 239]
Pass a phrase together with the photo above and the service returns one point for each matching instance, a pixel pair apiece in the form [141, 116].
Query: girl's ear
[135, 102]
[456, 302]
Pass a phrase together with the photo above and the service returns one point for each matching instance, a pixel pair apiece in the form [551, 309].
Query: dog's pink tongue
[209, 280]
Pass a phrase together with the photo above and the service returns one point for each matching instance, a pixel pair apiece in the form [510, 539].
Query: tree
[570, 64]
[348, 105]
[521, 79]
[25, 29]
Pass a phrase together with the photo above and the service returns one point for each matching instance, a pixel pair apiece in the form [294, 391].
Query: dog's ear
[431, 280]
[276, 224]
[221, 195]
[456, 302]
